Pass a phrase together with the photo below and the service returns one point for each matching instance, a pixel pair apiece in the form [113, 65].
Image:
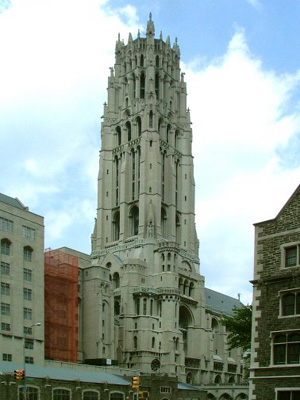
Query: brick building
[275, 364]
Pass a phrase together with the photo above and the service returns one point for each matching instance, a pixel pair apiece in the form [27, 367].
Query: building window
[27, 274]
[27, 293]
[116, 396]
[288, 395]
[29, 344]
[5, 268]
[6, 225]
[5, 247]
[5, 309]
[27, 253]
[286, 348]
[142, 85]
[165, 389]
[291, 256]
[28, 233]
[90, 395]
[61, 394]
[6, 357]
[29, 360]
[290, 303]
[5, 289]
[27, 313]
[5, 327]
[32, 393]
[27, 330]
[134, 214]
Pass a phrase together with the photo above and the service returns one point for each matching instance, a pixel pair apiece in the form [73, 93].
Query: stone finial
[150, 26]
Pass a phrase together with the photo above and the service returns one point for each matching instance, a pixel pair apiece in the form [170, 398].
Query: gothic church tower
[144, 296]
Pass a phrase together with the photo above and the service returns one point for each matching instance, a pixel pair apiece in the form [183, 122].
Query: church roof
[220, 303]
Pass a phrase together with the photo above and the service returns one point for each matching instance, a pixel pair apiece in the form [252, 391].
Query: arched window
[135, 342]
[168, 132]
[189, 378]
[90, 395]
[191, 289]
[139, 126]
[27, 253]
[176, 137]
[134, 221]
[157, 61]
[151, 119]
[157, 85]
[117, 307]
[144, 306]
[151, 307]
[61, 394]
[116, 396]
[134, 85]
[116, 226]
[117, 181]
[163, 223]
[5, 247]
[137, 306]
[118, 132]
[142, 85]
[153, 342]
[133, 174]
[163, 159]
[32, 393]
[128, 127]
[116, 280]
[142, 60]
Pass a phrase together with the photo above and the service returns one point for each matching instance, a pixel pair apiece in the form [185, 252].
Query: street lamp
[24, 344]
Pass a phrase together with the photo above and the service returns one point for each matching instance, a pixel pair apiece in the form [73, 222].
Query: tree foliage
[239, 327]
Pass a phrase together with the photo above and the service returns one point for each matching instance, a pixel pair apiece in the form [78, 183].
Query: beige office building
[22, 283]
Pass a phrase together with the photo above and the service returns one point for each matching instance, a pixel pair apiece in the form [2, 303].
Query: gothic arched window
[157, 85]
[163, 223]
[134, 214]
[139, 126]
[142, 85]
[151, 119]
[116, 280]
[118, 132]
[116, 226]
[128, 127]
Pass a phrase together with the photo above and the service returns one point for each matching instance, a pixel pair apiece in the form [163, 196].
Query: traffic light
[19, 374]
[136, 382]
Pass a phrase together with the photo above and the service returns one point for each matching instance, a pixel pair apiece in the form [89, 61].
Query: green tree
[238, 327]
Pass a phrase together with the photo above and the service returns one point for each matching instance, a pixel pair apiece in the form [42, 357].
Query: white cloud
[241, 116]
[55, 59]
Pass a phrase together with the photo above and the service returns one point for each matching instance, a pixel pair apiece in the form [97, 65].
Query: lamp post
[24, 344]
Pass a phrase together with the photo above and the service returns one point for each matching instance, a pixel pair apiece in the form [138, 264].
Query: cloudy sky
[242, 65]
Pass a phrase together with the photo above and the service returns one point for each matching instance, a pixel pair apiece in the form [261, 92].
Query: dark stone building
[59, 383]
[275, 363]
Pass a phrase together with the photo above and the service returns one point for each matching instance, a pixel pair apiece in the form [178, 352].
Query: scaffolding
[61, 306]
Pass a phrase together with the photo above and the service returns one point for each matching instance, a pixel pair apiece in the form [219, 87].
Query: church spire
[150, 27]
